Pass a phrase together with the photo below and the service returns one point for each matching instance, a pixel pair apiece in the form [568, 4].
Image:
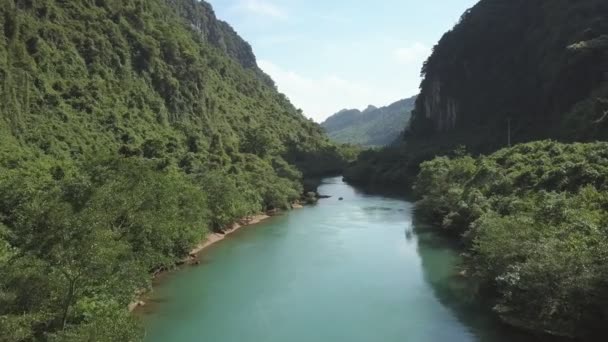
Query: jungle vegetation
[534, 221]
[129, 129]
[533, 218]
[509, 71]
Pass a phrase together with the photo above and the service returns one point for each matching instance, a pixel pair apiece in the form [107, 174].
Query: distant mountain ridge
[371, 127]
[510, 71]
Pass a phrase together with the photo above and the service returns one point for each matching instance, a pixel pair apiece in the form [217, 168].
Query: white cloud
[262, 8]
[416, 53]
[322, 96]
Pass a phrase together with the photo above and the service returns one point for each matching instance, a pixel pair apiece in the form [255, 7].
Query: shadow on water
[293, 281]
[456, 292]
[401, 192]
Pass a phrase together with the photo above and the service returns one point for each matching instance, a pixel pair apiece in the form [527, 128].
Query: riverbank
[217, 237]
[210, 239]
[286, 279]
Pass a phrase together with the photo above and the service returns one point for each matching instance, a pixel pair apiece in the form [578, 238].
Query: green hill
[531, 218]
[128, 130]
[371, 127]
[539, 68]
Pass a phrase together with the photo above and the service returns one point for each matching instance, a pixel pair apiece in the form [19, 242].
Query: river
[356, 270]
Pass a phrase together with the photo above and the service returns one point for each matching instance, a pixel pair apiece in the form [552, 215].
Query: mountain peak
[370, 108]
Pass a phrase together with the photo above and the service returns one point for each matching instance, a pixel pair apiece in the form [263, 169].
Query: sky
[328, 55]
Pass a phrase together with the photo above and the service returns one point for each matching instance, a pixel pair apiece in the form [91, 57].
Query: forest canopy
[128, 131]
[534, 221]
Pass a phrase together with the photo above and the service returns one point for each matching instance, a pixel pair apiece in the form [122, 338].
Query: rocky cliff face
[440, 108]
[201, 17]
[540, 65]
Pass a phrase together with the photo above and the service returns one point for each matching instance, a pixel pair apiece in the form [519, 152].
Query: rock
[324, 196]
[341, 199]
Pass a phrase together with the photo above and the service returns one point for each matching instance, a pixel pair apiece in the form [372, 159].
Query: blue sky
[334, 54]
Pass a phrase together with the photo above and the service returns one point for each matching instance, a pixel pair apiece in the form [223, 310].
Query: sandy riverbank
[211, 239]
[216, 237]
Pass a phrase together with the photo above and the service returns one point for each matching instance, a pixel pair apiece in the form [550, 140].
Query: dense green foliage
[395, 165]
[535, 221]
[128, 130]
[534, 218]
[372, 127]
[539, 68]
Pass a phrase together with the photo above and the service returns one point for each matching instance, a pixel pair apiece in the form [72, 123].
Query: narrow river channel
[356, 270]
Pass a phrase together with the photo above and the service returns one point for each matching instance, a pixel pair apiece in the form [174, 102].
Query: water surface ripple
[341, 271]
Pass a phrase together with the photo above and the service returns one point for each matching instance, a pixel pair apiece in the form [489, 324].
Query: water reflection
[455, 291]
[357, 270]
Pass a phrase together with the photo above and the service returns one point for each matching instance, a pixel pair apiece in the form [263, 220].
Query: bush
[534, 218]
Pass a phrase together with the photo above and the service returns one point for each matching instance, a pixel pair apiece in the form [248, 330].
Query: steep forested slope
[371, 127]
[540, 67]
[543, 65]
[532, 217]
[128, 129]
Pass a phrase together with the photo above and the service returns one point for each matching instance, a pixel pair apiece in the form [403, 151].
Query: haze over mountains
[371, 127]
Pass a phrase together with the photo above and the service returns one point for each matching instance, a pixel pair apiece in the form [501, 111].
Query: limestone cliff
[539, 65]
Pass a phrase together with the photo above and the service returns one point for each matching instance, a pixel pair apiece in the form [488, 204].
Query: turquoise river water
[357, 270]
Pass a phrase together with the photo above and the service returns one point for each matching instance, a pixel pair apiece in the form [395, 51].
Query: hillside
[539, 68]
[530, 218]
[371, 127]
[543, 65]
[128, 130]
